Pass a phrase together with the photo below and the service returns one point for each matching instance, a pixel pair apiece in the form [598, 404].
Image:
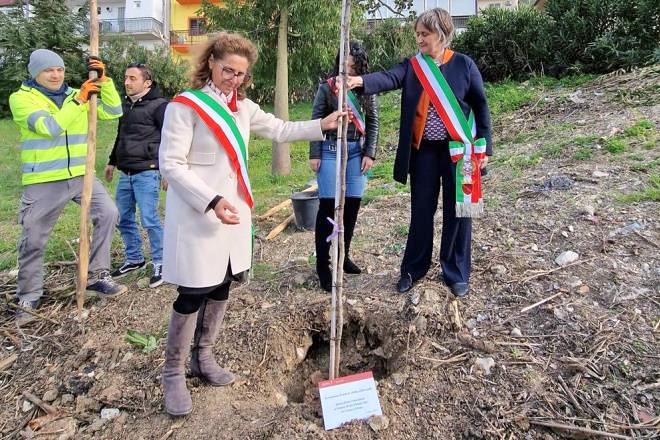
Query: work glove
[87, 89]
[94, 64]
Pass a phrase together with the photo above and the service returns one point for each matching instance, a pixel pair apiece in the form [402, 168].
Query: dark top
[138, 133]
[464, 79]
[325, 102]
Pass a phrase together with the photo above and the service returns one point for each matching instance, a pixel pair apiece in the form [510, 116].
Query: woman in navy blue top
[423, 151]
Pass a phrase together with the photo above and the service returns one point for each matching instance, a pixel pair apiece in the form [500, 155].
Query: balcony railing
[460, 21]
[145, 25]
[187, 38]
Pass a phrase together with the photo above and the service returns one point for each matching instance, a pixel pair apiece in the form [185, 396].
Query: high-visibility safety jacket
[54, 140]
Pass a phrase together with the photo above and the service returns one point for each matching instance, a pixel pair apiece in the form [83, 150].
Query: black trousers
[430, 169]
[190, 299]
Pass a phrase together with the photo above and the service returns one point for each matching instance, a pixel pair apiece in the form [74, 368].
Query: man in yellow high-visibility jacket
[52, 119]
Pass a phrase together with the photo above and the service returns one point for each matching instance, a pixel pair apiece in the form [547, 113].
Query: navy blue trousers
[430, 169]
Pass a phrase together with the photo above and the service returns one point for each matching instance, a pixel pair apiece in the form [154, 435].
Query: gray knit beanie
[42, 59]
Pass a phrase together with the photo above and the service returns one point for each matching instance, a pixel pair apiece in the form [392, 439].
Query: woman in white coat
[207, 238]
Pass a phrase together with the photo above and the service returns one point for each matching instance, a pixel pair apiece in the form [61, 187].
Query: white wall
[146, 8]
[134, 8]
[455, 7]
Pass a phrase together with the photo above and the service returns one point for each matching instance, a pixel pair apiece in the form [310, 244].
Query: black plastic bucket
[305, 207]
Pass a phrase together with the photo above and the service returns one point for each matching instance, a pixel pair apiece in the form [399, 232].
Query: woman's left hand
[367, 163]
[331, 122]
[483, 162]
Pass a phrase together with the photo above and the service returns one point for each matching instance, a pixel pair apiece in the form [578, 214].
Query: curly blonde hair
[218, 46]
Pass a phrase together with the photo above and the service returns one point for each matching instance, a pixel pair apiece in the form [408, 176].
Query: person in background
[423, 150]
[52, 119]
[135, 154]
[362, 142]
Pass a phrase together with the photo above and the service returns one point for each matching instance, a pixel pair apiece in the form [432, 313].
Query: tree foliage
[313, 38]
[591, 36]
[170, 74]
[49, 24]
[603, 35]
[388, 42]
[507, 43]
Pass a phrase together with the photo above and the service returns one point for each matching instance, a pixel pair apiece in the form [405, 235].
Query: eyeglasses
[228, 74]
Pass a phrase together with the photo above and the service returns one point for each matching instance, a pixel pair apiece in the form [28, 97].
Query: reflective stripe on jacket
[54, 140]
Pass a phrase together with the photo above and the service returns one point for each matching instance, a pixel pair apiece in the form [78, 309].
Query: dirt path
[589, 357]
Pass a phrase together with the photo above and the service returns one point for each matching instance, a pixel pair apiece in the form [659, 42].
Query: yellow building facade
[188, 27]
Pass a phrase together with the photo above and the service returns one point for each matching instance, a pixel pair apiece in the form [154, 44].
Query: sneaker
[23, 315]
[127, 268]
[157, 278]
[106, 286]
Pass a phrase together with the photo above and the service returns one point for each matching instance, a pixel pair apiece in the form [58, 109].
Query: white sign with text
[349, 398]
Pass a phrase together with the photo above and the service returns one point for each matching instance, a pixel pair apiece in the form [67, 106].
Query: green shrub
[388, 42]
[171, 74]
[571, 36]
[599, 36]
[507, 43]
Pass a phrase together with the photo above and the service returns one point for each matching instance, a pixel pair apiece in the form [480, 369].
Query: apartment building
[147, 21]
[507, 4]
[460, 10]
[187, 26]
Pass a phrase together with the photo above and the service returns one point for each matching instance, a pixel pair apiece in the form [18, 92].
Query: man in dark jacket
[135, 154]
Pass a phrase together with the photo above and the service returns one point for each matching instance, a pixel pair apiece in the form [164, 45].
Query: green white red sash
[354, 105]
[224, 128]
[465, 150]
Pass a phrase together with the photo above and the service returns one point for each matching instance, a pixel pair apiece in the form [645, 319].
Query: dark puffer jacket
[325, 102]
[138, 134]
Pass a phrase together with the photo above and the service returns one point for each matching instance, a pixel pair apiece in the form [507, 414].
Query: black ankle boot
[351, 209]
[321, 232]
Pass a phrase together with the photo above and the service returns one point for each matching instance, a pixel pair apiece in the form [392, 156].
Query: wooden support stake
[88, 180]
[337, 316]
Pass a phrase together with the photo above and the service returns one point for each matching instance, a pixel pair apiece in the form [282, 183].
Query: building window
[494, 5]
[197, 26]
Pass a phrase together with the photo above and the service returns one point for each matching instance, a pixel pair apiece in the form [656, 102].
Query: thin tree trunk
[337, 316]
[88, 180]
[281, 159]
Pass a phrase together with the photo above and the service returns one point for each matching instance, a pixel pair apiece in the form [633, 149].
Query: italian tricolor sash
[465, 150]
[354, 105]
[224, 128]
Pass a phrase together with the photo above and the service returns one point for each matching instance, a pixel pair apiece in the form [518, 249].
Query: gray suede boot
[203, 363]
[179, 336]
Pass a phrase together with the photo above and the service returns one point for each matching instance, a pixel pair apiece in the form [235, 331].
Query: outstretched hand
[331, 122]
[352, 82]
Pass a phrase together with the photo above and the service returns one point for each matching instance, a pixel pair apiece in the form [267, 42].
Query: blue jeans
[326, 176]
[141, 189]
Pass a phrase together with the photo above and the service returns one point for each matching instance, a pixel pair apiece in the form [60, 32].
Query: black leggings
[187, 303]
